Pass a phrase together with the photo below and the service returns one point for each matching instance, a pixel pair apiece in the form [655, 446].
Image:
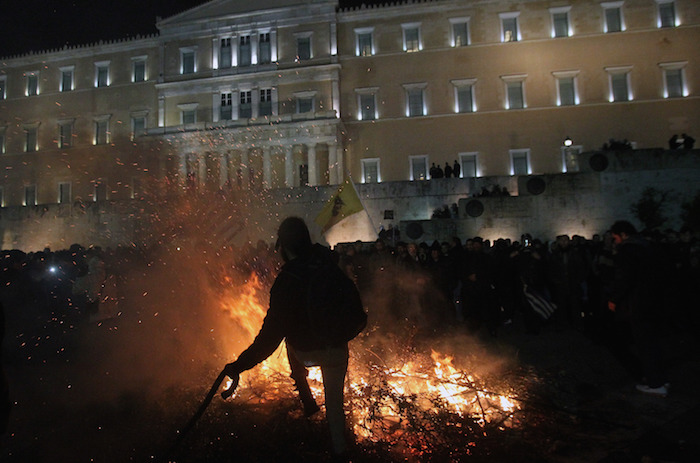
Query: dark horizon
[42, 25]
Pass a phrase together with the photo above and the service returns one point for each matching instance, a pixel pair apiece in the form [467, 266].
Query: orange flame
[377, 395]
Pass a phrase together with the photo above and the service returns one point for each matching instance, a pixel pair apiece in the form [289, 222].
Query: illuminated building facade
[287, 93]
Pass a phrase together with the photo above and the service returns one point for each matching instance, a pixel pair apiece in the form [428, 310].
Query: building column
[223, 170]
[202, 169]
[267, 167]
[313, 165]
[333, 163]
[182, 169]
[245, 167]
[288, 166]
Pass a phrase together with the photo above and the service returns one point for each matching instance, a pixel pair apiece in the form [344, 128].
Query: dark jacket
[640, 275]
[287, 316]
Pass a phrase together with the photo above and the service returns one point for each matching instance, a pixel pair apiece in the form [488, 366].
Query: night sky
[36, 25]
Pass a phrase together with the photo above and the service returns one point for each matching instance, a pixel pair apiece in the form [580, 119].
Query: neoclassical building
[287, 93]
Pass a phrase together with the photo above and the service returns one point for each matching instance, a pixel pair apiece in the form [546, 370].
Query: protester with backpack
[317, 310]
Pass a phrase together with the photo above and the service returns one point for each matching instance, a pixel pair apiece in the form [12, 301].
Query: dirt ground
[581, 406]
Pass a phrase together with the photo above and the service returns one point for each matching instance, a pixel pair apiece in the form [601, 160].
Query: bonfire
[418, 402]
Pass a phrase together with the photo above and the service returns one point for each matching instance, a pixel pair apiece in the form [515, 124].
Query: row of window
[469, 164]
[63, 194]
[566, 85]
[262, 102]
[67, 77]
[65, 135]
[613, 21]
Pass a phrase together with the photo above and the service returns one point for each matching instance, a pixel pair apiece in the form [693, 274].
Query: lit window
[99, 191]
[102, 74]
[367, 103]
[138, 124]
[3, 86]
[667, 13]
[188, 113]
[460, 32]
[674, 79]
[226, 106]
[245, 52]
[567, 93]
[64, 193]
[469, 165]
[32, 84]
[304, 47]
[188, 61]
[515, 91]
[225, 53]
[2, 197]
[411, 37]
[2, 139]
[67, 78]
[509, 27]
[560, 21]
[305, 105]
[619, 81]
[464, 95]
[415, 99]
[370, 170]
[245, 106]
[102, 130]
[614, 21]
[265, 108]
[30, 195]
[264, 48]
[364, 43]
[31, 139]
[419, 167]
[138, 69]
[520, 162]
[65, 134]
[569, 157]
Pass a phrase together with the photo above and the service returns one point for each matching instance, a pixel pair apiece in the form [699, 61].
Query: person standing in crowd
[637, 294]
[456, 169]
[288, 319]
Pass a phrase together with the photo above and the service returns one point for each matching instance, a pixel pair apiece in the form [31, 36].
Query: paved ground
[581, 407]
[598, 414]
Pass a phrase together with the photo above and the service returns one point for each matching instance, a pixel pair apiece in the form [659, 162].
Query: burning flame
[384, 400]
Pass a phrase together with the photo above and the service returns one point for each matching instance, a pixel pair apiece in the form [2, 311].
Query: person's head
[293, 239]
[621, 230]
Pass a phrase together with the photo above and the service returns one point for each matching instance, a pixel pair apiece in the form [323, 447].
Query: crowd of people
[485, 285]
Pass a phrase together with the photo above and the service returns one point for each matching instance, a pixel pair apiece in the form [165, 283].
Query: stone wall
[584, 203]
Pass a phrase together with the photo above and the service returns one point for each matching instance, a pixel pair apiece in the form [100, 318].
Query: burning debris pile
[402, 396]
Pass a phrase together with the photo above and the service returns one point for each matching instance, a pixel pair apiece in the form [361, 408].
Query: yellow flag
[342, 204]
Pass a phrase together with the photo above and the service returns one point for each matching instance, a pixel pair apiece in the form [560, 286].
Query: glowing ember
[398, 401]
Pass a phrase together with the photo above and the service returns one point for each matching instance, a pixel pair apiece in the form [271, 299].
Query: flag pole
[374, 229]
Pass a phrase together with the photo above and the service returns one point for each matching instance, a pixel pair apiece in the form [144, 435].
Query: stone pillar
[333, 164]
[245, 167]
[267, 167]
[289, 166]
[223, 169]
[202, 169]
[313, 165]
[182, 169]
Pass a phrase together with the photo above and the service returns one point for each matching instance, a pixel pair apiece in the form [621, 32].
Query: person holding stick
[307, 270]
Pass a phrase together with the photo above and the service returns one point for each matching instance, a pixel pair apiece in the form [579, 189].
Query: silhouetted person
[456, 169]
[288, 319]
[448, 170]
[673, 142]
[439, 172]
[4, 390]
[637, 294]
[688, 142]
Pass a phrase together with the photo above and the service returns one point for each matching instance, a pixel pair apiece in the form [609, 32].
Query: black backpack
[335, 310]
